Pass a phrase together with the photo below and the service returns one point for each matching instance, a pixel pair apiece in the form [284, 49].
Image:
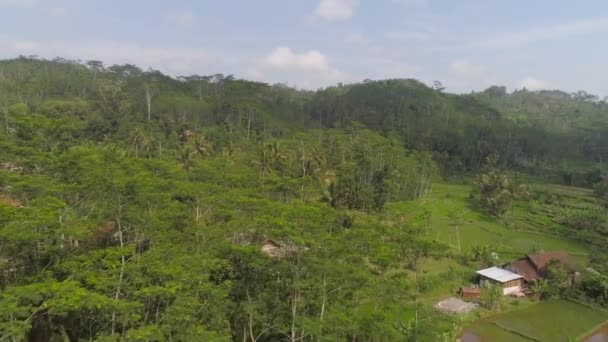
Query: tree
[538, 288]
[271, 158]
[493, 297]
[484, 254]
[557, 278]
[203, 146]
[600, 191]
[496, 91]
[438, 86]
[496, 190]
[185, 156]
[596, 289]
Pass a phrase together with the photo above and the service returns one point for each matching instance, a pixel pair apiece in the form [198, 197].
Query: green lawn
[554, 320]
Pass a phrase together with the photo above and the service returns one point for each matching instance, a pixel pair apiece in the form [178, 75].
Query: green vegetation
[553, 320]
[517, 234]
[139, 207]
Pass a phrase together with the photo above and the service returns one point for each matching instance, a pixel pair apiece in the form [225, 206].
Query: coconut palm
[136, 138]
[185, 156]
[203, 146]
[271, 158]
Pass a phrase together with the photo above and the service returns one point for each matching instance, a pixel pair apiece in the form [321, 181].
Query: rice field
[553, 320]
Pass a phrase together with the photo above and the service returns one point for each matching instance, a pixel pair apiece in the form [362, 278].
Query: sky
[466, 44]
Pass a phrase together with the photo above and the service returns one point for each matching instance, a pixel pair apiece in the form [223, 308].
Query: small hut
[509, 281]
[280, 249]
[271, 248]
[470, 292]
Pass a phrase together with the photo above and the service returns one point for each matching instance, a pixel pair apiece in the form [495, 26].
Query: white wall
[512, 289]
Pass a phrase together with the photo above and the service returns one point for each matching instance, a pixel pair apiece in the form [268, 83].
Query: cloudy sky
[465, 44]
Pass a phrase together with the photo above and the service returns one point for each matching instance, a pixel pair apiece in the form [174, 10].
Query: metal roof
[499, 274]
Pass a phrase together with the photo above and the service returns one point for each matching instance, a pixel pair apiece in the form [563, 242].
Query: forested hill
[140, 207]
[551, 134]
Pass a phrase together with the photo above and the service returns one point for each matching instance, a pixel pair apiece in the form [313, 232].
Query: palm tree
[497, 191]
[185, 156]
[271, 158]
[316, 162]
[203, 146]
[538, 287]
[136, 138]
[493, 297]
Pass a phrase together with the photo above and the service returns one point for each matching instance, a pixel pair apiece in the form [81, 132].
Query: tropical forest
[141, 206]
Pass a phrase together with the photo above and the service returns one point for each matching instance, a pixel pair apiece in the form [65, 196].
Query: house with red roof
[535, 266]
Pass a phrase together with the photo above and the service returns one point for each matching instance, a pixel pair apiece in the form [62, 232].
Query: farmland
[449, 213]
[553, 320]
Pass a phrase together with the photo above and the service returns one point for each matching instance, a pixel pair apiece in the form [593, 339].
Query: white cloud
[309, 68]
[174, 61]
[465, 67]
[285, 58]
[336, 9]
[532, 83]
[184, 18]
[356, 39]
[532, 35]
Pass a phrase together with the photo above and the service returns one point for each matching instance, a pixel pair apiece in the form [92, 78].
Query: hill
[138, 206]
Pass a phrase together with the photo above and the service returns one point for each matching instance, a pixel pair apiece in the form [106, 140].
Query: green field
[530, 229]
[554, 320]
[530, 225]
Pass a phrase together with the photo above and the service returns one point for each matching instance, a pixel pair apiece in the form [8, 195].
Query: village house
[270, 248]
[280, 249]
[509, 281]
[534, 266]
[516, 276]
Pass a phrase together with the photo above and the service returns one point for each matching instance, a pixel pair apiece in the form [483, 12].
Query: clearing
[529, 229]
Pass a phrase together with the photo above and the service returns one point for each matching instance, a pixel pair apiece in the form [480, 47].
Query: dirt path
[600, 335]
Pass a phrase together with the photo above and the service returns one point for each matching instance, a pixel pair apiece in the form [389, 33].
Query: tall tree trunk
[249, 120]
[6, 120]
[294, 314]
[122, 268]
[149, 102]
[304, 169]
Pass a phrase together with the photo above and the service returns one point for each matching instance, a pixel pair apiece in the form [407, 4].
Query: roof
[541, 260]
[525, 268]
[270, 242]
[476, 290]
[499, 274]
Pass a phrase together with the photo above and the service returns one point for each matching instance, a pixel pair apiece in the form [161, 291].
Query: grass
[476, 228]
[554, 320]
[532, 225]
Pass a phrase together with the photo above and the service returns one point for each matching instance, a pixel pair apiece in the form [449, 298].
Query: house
[509, 281]
[271, 248]
[534, 266]
[280, 249]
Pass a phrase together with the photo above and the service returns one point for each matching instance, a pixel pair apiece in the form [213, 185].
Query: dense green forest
[138, 206]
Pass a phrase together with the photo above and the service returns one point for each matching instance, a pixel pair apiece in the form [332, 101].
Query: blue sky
[466, 44]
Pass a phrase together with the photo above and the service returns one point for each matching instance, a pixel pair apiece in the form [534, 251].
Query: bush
[18, 109]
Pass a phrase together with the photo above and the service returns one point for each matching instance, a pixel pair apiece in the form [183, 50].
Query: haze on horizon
[467, 45]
